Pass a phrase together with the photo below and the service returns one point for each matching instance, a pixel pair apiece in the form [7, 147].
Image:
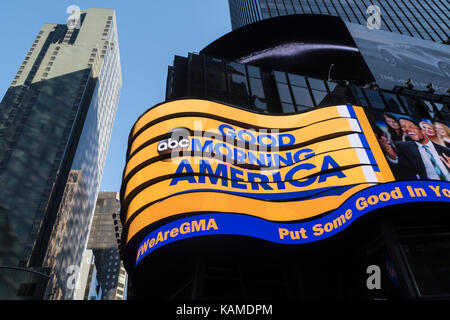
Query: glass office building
[427, 20]
[55, 128]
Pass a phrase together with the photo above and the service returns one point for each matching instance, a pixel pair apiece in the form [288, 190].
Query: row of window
[226, 81]
[278, 92]
[30, 52]
[244, 12]
[425, 19]
[298, 93]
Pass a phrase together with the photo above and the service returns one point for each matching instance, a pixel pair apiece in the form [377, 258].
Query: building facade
[423, 19]
[55, 126]
[279, 92]
[87, 286]
[104, 241]
[213, 202]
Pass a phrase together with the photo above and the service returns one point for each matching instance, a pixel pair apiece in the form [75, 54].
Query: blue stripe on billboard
[307, 194]
[364, 140]
[351, 111]
[363, 202]
[372, 160]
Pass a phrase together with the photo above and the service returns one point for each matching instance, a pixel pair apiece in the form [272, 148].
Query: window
[361, 97]
[196, 81]
[296, 80]
[412, 105]
[287, 107]
[317, 84]
[375, 99]
[302, 97]
[320, 93]
[254, 72]
[429, 108]
[258, 95]
[285, 94]
[216, 79]
[444, 110]
[280, 77]
[238, 84]
[393, 102]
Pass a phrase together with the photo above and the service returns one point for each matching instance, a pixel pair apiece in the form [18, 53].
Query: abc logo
[177, 142]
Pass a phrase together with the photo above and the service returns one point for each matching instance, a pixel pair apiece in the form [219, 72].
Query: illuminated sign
[199, 168]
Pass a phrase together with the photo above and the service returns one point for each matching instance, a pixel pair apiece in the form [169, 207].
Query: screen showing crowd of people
[416, 149]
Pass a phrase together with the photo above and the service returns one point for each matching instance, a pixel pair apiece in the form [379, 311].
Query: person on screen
[420, 158]
[385, 143]
[390, 152]
[430, 132]
[443, 131]
[394, 129]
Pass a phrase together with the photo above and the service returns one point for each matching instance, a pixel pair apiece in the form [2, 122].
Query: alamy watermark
[374, 280]
[374, 20]
[74, 20]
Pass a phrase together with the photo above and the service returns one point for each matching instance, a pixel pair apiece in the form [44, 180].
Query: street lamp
[26, 270]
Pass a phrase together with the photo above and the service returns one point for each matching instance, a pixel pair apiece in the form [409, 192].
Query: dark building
[103, 241]
[55, 125]
[271, 78]
[427, 20]
[292, 65]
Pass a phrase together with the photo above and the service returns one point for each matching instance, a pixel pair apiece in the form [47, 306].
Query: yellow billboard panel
[190, 157]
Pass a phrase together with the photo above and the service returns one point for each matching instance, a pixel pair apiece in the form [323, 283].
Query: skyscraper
[103, 241]
[427, 20]
[55, 125]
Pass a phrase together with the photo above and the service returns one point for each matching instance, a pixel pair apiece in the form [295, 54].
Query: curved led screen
[200, 168]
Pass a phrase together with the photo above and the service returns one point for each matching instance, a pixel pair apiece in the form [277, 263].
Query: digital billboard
[416, 149]
[393, 58]
[201, 168]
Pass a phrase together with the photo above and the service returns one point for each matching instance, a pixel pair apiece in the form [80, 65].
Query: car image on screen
[409, 56]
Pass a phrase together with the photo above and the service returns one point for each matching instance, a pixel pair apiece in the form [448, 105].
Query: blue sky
[151, 33]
